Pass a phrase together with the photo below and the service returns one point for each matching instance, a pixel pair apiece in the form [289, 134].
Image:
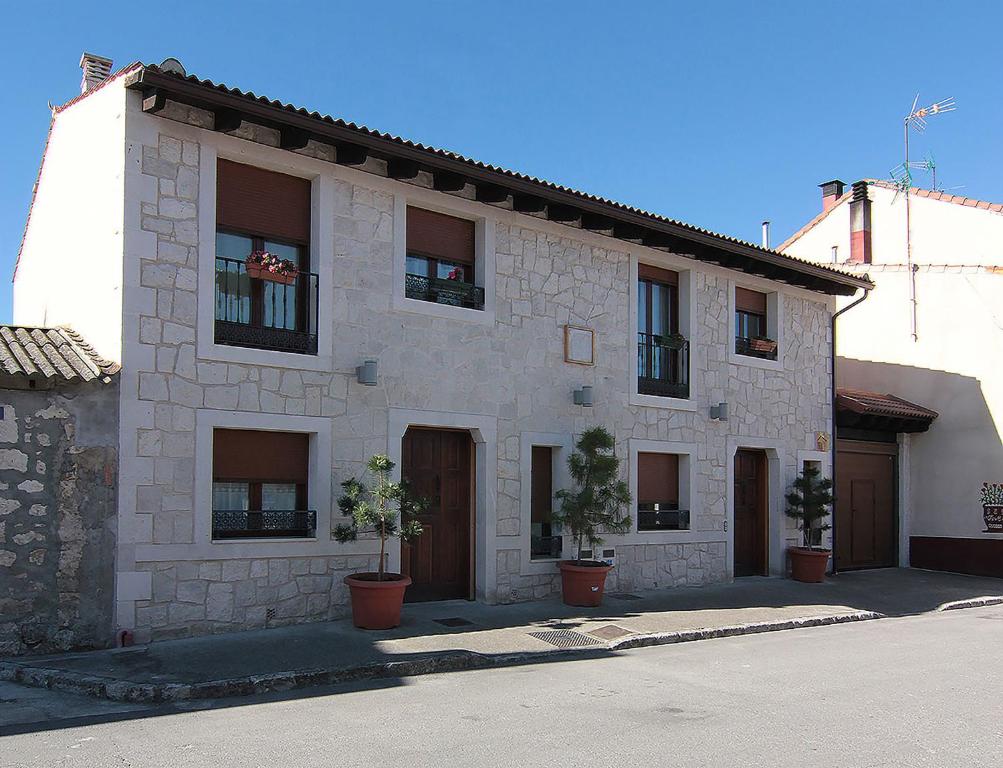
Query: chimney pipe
[860, 224]
[96, 69]
[831, 192]
[766, 235]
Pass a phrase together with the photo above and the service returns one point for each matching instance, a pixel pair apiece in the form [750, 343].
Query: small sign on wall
[579, 345]
[822, 441]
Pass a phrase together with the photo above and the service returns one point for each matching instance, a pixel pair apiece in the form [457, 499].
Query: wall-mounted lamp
[583, 396]
[719, 412]
[366, 373]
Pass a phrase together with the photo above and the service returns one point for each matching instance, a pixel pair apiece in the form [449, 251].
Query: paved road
[916, 691]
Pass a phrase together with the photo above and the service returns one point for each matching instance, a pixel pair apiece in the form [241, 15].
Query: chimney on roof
[766, 235]
[96, 70]
[860, 224]
[831, 192]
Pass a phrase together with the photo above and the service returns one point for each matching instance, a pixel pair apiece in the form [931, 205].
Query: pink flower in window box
[263, 265]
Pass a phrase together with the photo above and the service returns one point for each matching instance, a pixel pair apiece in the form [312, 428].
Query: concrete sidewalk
[458, 635]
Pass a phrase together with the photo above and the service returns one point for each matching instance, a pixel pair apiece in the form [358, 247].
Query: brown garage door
[865, 521]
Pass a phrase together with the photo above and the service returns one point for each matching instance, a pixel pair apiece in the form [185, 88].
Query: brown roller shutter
[440, 236]
[657, 477]
[750, 301]
[262, 203]
[257, 456]
[667, 276]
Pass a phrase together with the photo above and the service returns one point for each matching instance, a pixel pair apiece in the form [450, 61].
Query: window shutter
[647, 272]
[657, 477]
[262, 203]
[257, 456]
[440, 236]
[750, 301]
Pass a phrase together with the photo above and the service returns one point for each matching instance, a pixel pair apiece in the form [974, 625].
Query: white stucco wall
[70, 269]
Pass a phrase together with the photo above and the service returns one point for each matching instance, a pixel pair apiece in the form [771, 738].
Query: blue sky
[717, 113]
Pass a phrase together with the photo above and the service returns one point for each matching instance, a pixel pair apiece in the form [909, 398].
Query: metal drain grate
[610, 632]
[454, 621]
[624, 596]
[565, 638]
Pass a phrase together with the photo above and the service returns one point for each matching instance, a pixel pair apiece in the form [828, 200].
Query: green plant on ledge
[808, 503]
[379, 507]
[597, 504]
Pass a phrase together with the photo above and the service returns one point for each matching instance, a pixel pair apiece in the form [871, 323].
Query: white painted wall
[70, 270]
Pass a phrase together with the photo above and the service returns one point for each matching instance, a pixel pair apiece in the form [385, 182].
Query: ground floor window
[658, 493]
[260, 485]
[545, 534]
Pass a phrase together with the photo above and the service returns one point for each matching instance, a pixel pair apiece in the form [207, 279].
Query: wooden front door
[437, 464]
[865, 521]
[751, 518]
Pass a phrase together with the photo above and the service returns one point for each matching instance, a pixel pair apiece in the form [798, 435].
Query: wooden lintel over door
[751, 513]
[437, 464]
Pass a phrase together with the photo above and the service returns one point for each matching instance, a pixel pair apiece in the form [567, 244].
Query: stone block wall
[58, 488]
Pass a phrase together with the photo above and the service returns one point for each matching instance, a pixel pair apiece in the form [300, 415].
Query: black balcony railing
[451, 292]
[662, 517]
[663, 365]
[763, 348]
[264, 314]
[271, 523]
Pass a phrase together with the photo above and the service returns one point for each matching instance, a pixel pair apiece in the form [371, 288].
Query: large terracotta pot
[808, 565]
[377, 604]
[583, 585]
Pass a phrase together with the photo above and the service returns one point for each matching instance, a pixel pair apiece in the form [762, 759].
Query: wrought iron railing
[265, 314]
[546, 547]
[662, 517]
[239, 524]
[763, 348]
[663, 365]
[452, 292]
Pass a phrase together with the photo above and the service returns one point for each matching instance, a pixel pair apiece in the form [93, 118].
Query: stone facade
[58, 470]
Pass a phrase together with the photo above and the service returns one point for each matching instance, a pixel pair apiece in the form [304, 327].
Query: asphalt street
[915, 691]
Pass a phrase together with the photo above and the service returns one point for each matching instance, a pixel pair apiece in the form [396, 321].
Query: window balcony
[262, 314]
[441, 291]
[271, 523]
[763, 348]
[663, 365]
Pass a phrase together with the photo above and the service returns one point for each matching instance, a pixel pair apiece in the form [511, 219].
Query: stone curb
[449, 661]
[975, 602]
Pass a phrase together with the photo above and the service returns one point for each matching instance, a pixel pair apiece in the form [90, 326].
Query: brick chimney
[831, 192]
[96, 70]
[860, 224]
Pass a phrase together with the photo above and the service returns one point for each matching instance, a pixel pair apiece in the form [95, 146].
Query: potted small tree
[808, 502]
[595, 507]
[377, 597]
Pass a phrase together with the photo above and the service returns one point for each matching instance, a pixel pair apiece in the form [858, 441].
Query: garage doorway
[866, 526]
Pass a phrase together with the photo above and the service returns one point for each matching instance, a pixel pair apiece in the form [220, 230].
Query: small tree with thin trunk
[597, 505]
[379, 507]
[808, 502]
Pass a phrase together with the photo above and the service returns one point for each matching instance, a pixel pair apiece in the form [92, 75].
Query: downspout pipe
[832, 447]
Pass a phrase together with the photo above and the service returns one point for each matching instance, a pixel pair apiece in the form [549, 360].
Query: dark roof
[297, 125]
[873, 410]
[51, 355]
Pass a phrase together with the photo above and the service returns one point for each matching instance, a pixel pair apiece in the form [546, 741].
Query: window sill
[670, 403]
[432, 309]
[267, 539]
[755, 362]
[267, 357]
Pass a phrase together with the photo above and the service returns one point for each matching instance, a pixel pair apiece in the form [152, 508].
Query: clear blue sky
[717, 113]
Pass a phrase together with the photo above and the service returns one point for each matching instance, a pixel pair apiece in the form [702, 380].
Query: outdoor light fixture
[366, 373]
[583, 396]
[719, 412]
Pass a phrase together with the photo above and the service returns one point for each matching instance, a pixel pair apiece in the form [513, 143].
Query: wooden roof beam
[402, 169]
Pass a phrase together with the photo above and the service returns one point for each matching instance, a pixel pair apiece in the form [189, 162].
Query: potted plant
[992, 506]
[267, 266]
[595, 507]
[377, 597]
[763, 344]
[808, 502]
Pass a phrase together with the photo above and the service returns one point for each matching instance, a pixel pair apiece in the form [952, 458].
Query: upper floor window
[662, 352]
[658, 493]
[441, 261]
[266, 297]
[752, 336]
[259, 487]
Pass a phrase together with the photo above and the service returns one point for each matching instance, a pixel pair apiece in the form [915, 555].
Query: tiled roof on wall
[51, 354]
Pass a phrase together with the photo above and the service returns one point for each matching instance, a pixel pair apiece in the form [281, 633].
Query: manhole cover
[625, 596]
[610, 632]
[454, 621]
[565, 638]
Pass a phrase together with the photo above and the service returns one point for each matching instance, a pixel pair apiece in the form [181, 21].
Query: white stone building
[486, 299]
[931, 332]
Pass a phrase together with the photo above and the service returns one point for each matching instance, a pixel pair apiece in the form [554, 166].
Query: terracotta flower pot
[808, 565]
[763, 345]
[583, 585]
[257, 272]
[377, 604]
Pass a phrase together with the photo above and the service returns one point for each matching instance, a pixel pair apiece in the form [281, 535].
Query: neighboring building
[488, 302]
[58, 491]
[951, 367]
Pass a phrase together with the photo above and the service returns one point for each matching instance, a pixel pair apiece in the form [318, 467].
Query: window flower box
[764, 345]
[262, 265]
